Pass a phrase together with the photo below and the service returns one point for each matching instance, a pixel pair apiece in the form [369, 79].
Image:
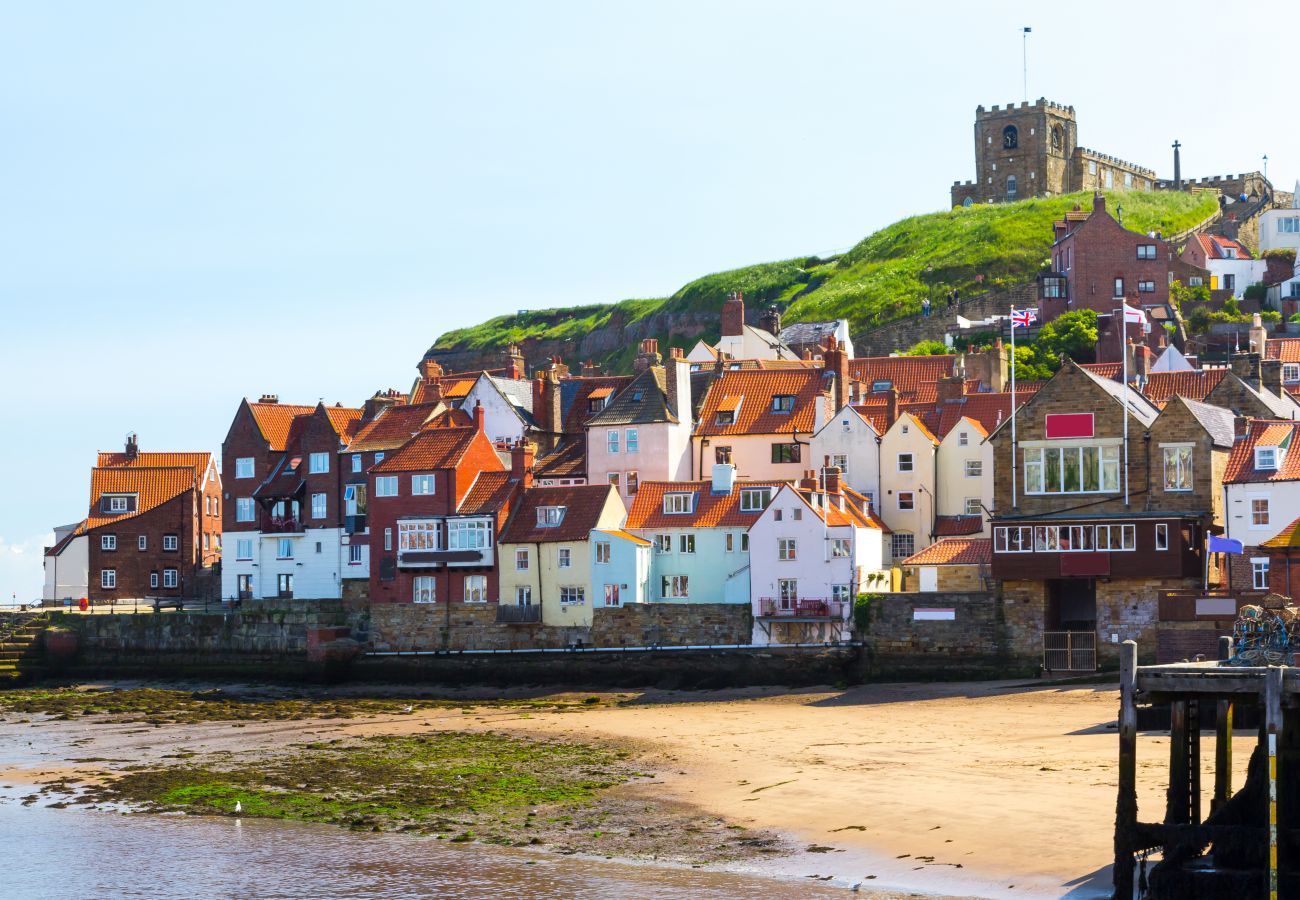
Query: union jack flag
[1023, 318]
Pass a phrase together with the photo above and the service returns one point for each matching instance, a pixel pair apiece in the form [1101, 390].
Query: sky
[201, 202]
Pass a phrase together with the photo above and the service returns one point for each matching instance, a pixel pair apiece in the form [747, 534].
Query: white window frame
[612, 597]
[974, 507]
[469, 534]
[318, 463]
[909, 459]
[901, 537]
[911, 501]
[171, 543]
[841, 548]
[675, 587]
[418, 535]
[108, 542]
[476, 589]
[388, 539]
[1266, 459]
[686, 543]
[550, 516]
[386, 486]
[603, 552]
[1013, 539]
[663, 543]
[1259, 573]
[245, 467]
[678, 503]
[356, 462]
[1183, 467]
[573, 595]
[563, 558]
[153, 580]
[631, 441]
[142, 542]
[284, 548]
[521, 560]
[611, 441]
[424, 589]
[1108, 468]
[108, 579]
[748, 495]
[523, 595]
[423, 485]
[319, 505]
[974, 468]
[118, 504]
[787, 549]
[1162, 536]
[171, 579]
[245, 511]
[356, 556]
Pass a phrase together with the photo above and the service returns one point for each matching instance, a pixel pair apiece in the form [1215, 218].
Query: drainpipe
[537, 554]
[1146, 445]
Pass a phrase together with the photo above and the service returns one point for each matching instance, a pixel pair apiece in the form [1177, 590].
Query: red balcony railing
[803, 608]
[281, 524]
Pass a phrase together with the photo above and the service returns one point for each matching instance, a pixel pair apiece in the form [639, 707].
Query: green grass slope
[881, 279]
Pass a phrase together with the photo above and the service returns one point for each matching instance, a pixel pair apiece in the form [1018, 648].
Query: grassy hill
[883, 278]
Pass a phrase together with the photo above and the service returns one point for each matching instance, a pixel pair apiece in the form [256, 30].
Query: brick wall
[133, 566]
[976, 643]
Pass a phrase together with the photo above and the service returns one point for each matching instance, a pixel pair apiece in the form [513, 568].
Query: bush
[862, 611]
[1270, 316]
[928, 348]
[1286, 253]
[1255, 291]
[1295, 318]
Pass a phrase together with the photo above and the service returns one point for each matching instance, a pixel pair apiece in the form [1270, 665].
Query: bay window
[1071, 470]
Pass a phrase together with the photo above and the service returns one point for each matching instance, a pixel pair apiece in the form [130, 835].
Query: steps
[20, 649]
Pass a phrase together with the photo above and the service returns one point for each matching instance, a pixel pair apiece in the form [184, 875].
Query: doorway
[1070, 625]
[284, 585]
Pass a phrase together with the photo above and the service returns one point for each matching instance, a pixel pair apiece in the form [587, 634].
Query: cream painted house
[964, 473]
[908, 473]
[545, 554]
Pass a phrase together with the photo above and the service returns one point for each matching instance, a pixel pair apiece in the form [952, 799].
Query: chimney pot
[478, 416]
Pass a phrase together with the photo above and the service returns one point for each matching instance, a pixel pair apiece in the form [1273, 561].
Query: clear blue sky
[200, 202]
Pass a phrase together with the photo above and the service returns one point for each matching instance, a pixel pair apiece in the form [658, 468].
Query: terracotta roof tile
[710, 511]
[757, 388]
[345, 420]
[1105, 370]
[199, 462]
[275, 420]
[1214, 246]
[855, 509]
[906, 374]
[627, 536]
[1285, 349]
[393, 427]
[1196, 385]
[435, 448]
[583, 505]
[1286, 539]
[1241, 461]
[491, 492]
[152, 486]
[954, 526]
[954, 552]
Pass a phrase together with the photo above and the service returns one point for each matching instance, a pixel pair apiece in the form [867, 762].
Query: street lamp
[929, 277]
[1119, 212]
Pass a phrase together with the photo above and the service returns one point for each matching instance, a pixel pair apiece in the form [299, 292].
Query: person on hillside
[925, 306]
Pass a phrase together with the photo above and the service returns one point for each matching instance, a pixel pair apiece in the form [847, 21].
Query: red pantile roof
[1263, 433]
[1104, 370]
[710, 510]
[275, 421]
[1161, 386]
[1214, 246]
[1285, 349]
[152, 486]
[199, 462]
[846, 508]
[584, 388]
[627, 536]
[954, 526]
[435, 448]
[583, 505]
[906, 374]
[490, 493]
[344, 420]
[757, 388]
[393, 427]
[954, 552]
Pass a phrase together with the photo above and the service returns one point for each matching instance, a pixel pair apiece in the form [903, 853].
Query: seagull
[408, 709]
[239, 807]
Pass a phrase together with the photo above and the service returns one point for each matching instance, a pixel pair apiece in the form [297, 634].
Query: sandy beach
[983, 789]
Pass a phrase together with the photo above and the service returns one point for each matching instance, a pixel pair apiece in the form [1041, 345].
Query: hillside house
[908, 476]
[1231, 265]
[1261, 485]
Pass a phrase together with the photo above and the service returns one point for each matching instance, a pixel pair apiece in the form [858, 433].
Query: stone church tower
[1020, 151]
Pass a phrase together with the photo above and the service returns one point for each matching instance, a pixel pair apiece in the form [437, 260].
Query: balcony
[354, 524]
[281, 525]
[519, 615]
[805, 608]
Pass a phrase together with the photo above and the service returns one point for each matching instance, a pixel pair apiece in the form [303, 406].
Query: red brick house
[436, 506]
[154, 524]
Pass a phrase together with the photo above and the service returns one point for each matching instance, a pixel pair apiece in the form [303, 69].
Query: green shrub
[1270, 316]
[1255, 291]
[862, 611]
[928, 348]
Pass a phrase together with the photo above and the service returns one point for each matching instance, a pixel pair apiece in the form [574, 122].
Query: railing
[1070, 651]
[281, 524]
[518, 615]
[802, 608]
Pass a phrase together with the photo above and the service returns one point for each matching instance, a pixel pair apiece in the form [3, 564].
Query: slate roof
[575, 394]
[1217, 421]
[808, 332]
[1142, 408]
[583, 505]
[275, 420]
[755, 415]
[711, 510]
[519, 392]
[954, 552]
[568, 460]
[152, 486]
[1263, 432]
[643, 401]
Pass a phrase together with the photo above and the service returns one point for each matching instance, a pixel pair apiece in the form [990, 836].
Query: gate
[1070, 651]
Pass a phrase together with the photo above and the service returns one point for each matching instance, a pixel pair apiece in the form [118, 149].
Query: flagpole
[1014, 476]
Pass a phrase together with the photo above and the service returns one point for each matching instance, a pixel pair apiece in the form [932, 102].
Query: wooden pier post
[1177, 807]
[1126, 801]
[1273, 727]
[1222, 739]
[1194, 759]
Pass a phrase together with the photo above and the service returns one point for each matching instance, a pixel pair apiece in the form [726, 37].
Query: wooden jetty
[1234, 851]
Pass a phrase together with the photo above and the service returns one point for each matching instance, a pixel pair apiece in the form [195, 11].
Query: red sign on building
[1069, 425]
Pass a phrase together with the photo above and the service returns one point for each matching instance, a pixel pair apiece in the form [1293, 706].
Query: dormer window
[882, 385]
[1229, 252]
[678, 504]
[1266, 459]
[549, 516]
[782, 403]
[117, 504]
[725, 417]
[755, 499]
[1291, 371]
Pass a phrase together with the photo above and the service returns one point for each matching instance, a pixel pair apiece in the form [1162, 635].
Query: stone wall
[976, 643]
[904, 333]
[408, 627]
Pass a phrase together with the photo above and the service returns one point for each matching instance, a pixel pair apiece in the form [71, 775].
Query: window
[354, 500]
[1162, 536]
[284, 548]
[355, 557]
[632, 440]
[1011, 185]
[1230, 282]
[602, 551]
[725, 417]
[421, 485]
[613, 479]
[755, 499]
[1195, 281]
[1146, 287]
[840, 593]
[786, 549]
[356, 462]
[153, 580]
[1178, 468]
[244, 467]
[1064, 538]
[797, 513]
[722, 456]
[788, 591]
[142, 542]
[1092, 167]
[475, 588]
[424, 589]
[595, 404]
[677, 503]
[1288, 225]
[611, 441]
[550, 516]
[1146, 251]
[974, 468]
[785, 453]
[1291, 371]
[386, 486]
[573, 595]
[1258, 512]
[216, 506]
[841, 462]
[730, 541]
[318, 506]
[1013, 539]
[611, 595]
[108, 578]
[169, 578]
[905, 462]
[973, 507]
[207, 541]
[782, 403]
[1054, 288]
[171, 542]
[839, 548]
[1119, 288]
[906, 501]
[1116, 537]
[244, 509]
[902, 544]
[1259, 573]
[379, 457]
[521, 560]
[388, 539]
[108, 542]
[664, 543]
[675, 586]
[417, 535]
[564, 558]
[207, 505]
[524, 595]
[633, 484]
[1072, 470]
[1266, 458]
[468, 534]
[744, 542]
[318, 462]
[1128, 179]
[962, 439]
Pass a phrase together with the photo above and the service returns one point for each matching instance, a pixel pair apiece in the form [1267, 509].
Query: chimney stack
[771, 321]
[1246, 366]
[430, 370]
[724, 478]
[516, 358]
[831, 477]
[837, 365]
[478, 416]
[1098, 203]
[381, 400]
[733, 315]
[1270, 375]
[891, 407]
[132, 448]
[546, 400]
[1141, 367]
[1258, 335]
[809, 481]
[590, 369]
[677, 381]
[950, 388]
[269, 398]
[649, 356]
[522, 455]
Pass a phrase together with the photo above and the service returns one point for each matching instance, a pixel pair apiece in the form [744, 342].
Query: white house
[849, 442]
[1230, 263]
[1279, 229]
[67, 564]
[908, 469]
[1261, 489]
[507, 406]
[813, 550]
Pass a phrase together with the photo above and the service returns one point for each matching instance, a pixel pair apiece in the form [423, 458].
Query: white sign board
[1216, 606]
[927, 614]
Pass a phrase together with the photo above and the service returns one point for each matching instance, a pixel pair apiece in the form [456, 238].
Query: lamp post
[1119, 213]
[1266, 167]
[929, 278]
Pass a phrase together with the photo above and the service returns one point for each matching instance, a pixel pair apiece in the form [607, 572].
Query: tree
[928, 348]
[1029, 367]
[1073, 334]
[1180, 294]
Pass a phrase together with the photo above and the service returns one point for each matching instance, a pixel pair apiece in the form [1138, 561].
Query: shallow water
[79, 853]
